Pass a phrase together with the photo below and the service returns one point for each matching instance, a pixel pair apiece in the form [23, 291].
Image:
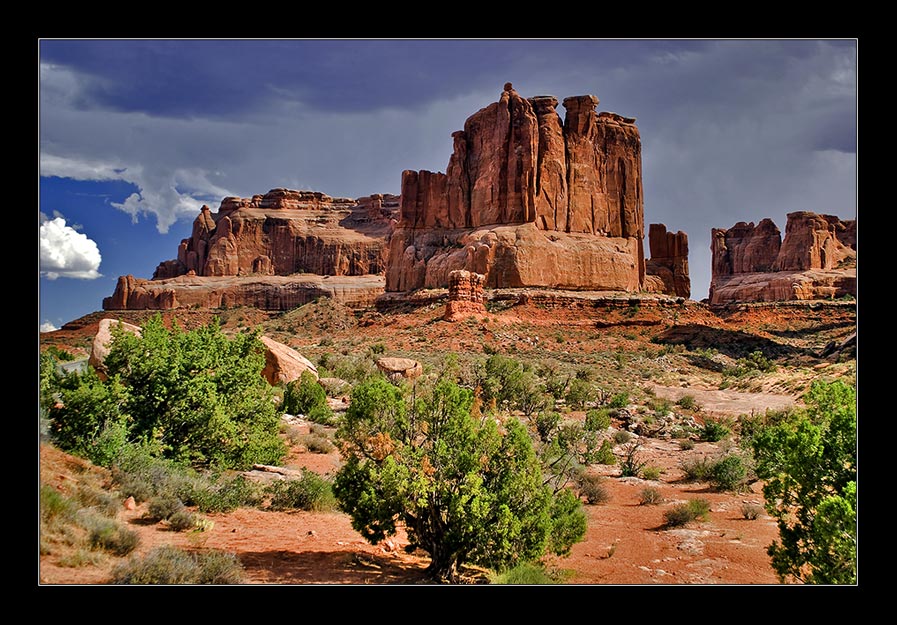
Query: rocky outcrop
[465, 295]
[283, 364]
[264, 292]
[397, 369]
[102, 343]
[527, 200]
[816, 260]
[284, 232]
[667, 269]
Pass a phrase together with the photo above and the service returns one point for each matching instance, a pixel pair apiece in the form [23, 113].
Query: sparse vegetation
[684, 513]
[310, 492]
[631, 464]
[597, 420]
[651, 473]
[170, 565]
[528, 574]
[714, 430]
[687, 402]
[593, 488]
[650, 497]
[621, 437]
[751, 511]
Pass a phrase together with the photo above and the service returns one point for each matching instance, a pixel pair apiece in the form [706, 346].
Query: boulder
[102, 342]
[283, 364]
[400, 368]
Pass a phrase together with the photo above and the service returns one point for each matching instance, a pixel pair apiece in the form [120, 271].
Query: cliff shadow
[732, 343]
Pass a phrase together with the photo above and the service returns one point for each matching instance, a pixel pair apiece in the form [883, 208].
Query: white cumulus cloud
[67, 253]
[46, 326]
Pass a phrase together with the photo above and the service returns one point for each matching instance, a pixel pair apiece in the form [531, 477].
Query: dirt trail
[726, 402]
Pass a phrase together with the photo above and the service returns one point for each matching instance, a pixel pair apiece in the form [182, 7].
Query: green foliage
[170, 565]
[808, 461]
[697, 468]
[593, 488]
[684, 513]
[110, 535]
[621, 437]
[728, 473]
[310, 492]
[510, 385]
[752, 364]
[597, 420]
[182, 520]
[651, 473]
[163, 507]
[661, 407]
[54, 505]
[579, 393]
[465, 490]
[605, 454]
[198, 396]
[306, 397]
[686, 444]
[688, 402]
[631, 464]
[527, 574]
[620, 400]
[650, 497]
[714, 430]
[547, 424]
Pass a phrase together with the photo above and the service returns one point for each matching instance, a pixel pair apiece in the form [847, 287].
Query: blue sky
[135, 135]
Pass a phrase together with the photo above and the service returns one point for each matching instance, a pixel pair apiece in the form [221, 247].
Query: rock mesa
[815, 260]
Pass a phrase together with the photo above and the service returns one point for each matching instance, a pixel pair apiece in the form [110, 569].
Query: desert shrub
[54, 505]
[621, 437]
[752, 364]
[593, 488]
[163, 507]
[687, 401]
[714, 430]
[170, 565]
[631, 464]
[696, 468]
[527, 573]
[110, 535]
[620, 400]
[650, 497]
[751, 511]
[316, 444]
[182, 520]
[547, 423]
[728, 473]
[686, 444]
[597, 420]
[217, 494]
[661, 407]
[605, 454]
[651, 473]
[378, 348]
[579, 393]
[99, 500]
[310, 492]
[683, 513]
[306, 397]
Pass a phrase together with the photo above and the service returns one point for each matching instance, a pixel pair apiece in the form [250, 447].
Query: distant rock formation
[816, 260]
[527, 200]
[667, 269]
[242, 255]
[465, 295]
[398, 369]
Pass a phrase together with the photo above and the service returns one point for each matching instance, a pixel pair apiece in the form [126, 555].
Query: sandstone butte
[816, 260]
[528, 199]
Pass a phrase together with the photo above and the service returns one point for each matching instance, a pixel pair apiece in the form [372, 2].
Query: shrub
[651, 473]
[316, 444]
[650, 497]
[163, 507]
[686, 444]
[223, 495]
[684, 513]
[631, 465]
[304, 396]
[751, 511]
[714, 430]
[597, 420]
[547, 423]
[110, 535]
[54, 505]
[688, 402]
[310, 492]
[526, 573]
[620, 400]
[170, 565]
[605, 454]
[579, 393]
[621, 437]
[101, 501]
[592, 487]
[696, 468]
[661, 407]
[728, 473]
[182, 520]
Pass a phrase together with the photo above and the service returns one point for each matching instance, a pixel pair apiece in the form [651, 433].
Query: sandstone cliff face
[668, 264]
[284, 232]
[527, 200]
[465, 295]
[816, 259]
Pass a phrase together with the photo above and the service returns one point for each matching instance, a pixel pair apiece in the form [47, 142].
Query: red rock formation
[816, 260]
[285, 232]
[397, 369]
[465, 295]
[265, 292]
[527, 201]
[102, 343]
[669, 261]
[283, 364]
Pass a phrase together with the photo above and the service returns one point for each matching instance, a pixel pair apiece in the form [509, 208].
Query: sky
[135, 135]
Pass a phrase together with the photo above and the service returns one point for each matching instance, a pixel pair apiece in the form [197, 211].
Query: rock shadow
[732, 343]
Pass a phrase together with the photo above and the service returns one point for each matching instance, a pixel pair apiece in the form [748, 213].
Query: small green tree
[466, 489]
[306, 397]
[808, 459]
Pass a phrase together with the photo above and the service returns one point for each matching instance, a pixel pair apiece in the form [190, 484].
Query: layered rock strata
[527, 200]
[667, 269]
[465, 295]
[815, 260]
